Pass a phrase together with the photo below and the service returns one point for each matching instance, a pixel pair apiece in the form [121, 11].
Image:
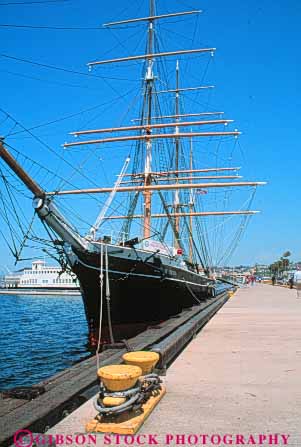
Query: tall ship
[157, 262]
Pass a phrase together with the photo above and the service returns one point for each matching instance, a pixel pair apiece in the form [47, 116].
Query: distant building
[12, 280]
[1, 281]
[41, 276]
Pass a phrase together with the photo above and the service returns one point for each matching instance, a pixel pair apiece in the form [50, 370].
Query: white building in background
[41, 276]
[11, 280]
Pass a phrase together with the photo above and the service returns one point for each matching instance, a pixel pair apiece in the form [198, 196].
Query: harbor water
[40, 336]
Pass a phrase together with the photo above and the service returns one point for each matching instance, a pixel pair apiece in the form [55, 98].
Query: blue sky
[256, 71]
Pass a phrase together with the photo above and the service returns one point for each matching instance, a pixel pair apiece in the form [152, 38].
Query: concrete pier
[240, 375]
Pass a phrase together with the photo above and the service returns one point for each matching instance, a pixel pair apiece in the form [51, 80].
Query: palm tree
[274, 267]
[286, 261]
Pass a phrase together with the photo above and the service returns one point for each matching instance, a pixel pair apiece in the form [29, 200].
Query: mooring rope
[149, 385]
[101, 305]
[108, 295]
[192, 293]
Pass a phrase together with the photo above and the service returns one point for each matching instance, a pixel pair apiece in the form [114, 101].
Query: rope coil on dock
[137, 396]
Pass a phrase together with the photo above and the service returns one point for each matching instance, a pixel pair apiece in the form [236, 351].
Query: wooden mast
[147, 169]
[190, 208]
[177, 146]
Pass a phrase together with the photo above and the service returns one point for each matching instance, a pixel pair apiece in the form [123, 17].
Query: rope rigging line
[121, 204]
[34, 2]
[237, 237]
[126, 9]
[206, 232]
[161, 158]
[108, 296]
[203, 264]
[226, 199]
[6, 242]
[47, 81]
[203, 237]
[183, 162]
[100, 306]
[53, 244]
[15, 216]
[91, 151]
[7, 221]
[12, 204]
[63, 28]
[17, 190]
[25, 238]
[133, 199]
[42, 167]
[11, 129]
[70, 116]
[4, 119]
[70, 209]
[170, 219]
[66, 70]
[119, 42]
[163, 149]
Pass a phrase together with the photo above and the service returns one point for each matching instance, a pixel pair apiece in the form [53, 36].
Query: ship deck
[240, 375]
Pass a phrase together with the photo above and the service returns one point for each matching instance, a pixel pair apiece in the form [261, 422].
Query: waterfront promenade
[240, 375]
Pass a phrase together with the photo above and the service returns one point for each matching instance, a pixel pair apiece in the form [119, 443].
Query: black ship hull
[145, 289]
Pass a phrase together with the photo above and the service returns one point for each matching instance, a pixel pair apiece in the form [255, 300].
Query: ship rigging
[166, 265]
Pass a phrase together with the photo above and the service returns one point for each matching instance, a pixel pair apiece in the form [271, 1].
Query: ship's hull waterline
[40, 291]
[145, 289]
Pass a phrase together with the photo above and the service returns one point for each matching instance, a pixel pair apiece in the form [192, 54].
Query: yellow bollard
[119, 377]
[146, 360]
